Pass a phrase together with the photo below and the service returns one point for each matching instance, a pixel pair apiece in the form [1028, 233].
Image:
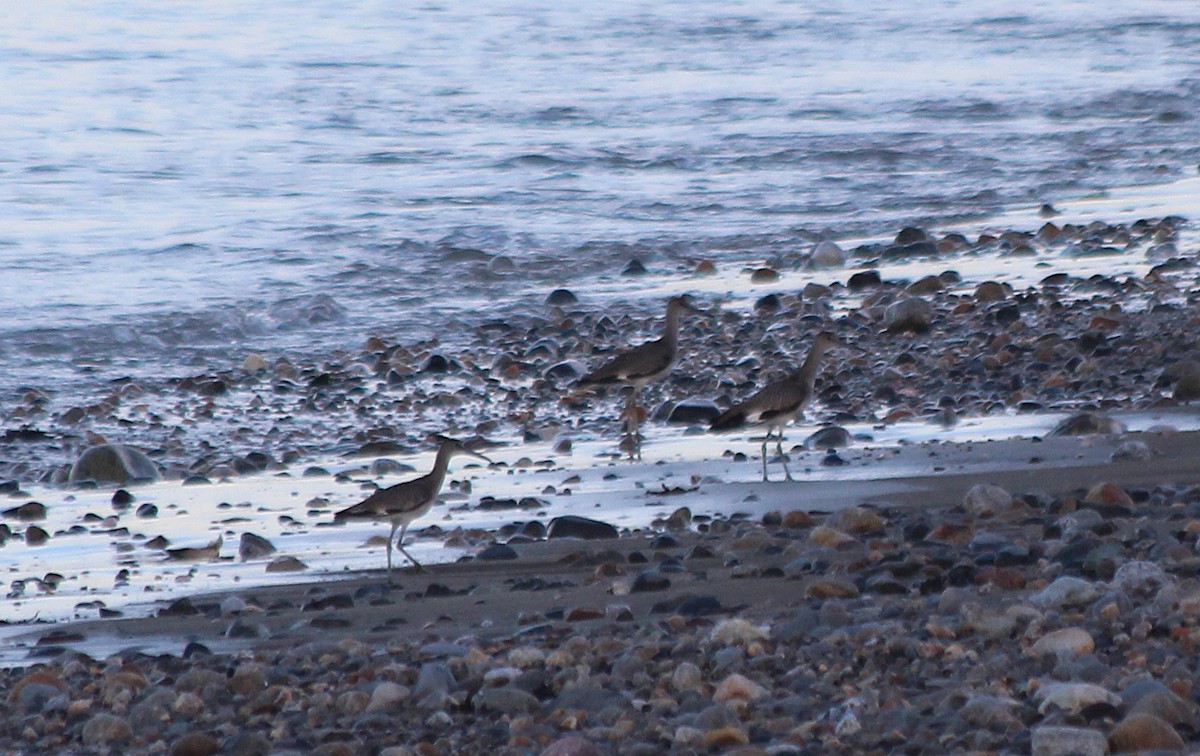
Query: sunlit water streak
[171, 181]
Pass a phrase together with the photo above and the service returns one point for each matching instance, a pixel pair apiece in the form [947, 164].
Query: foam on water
[169, 178]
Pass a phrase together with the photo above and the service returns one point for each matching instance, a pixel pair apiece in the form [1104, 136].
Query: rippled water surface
[179, 180]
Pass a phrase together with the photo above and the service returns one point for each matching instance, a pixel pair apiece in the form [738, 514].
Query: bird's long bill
[477, 455]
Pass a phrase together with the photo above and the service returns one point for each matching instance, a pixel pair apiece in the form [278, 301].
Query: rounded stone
[738, 688]
[112, 463]
[911, 314]
[104, 729]
[987, 500]
[1069, 641]
[574, 526]
[1051, 740]
[1143, 732]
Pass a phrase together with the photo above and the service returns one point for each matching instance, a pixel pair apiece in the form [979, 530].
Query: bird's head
[456, 447]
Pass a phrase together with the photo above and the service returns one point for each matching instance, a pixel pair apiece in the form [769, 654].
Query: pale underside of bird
[640, 365]
[406, 502]
[779, 402]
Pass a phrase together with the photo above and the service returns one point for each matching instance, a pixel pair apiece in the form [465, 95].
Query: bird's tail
[734, 417]
[364, 508]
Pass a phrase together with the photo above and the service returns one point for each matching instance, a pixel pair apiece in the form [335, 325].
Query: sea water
[183, 184]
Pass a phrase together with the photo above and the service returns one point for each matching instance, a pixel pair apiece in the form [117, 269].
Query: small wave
[535, 160]
[968, 110]
[306, 310]
[560, 114]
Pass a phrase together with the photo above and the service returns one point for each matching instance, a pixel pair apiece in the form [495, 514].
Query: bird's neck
[807, 373]
[441, 463]
[671, 327]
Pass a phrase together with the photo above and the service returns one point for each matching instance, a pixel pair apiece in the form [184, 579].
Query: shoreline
[709, 626]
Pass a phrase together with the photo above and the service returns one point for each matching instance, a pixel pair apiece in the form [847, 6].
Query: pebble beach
[254, 258]
[1009, 594]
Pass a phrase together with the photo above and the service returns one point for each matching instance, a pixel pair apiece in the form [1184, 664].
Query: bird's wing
[646, 359]
[781, 398]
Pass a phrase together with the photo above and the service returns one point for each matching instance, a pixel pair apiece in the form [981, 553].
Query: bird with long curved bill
[411, 500]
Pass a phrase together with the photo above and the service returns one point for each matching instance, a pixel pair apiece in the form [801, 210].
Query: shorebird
[196, 553]
[778, 403]
[642, 364]
[405, 502]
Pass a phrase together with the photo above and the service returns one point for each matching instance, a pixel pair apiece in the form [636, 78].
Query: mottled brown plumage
[644, 363]
[405, 502]
[778, 403]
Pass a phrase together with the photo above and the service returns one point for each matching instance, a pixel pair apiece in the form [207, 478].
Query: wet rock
[1133, 451]
[857, 521]
[573, 526]
[1087, 423]
[388, 466]
[990, 291]
[112, 463]
[1074, 697]
[764, 275]
[1140, 579]
[195, 744]
[248, 744]
[121, 499]
[831, 588]
[797, 519]
[561, 297]
[829, 437]
[567, 370]
[36, 536]
[104, 730]
[634, 268]
[1065, 592]
[434, 683]
[439, 363]
[497, 551]
[736, 687]
[726, 737]
[912, 314]
[1108, 494]
[650, 580]
[986, 500]
[694, 411]
[27, 512]
[987, 711]
[1163, 703]
[505, 700]
[1065, 642]
[286, 564]
[1187, 388]
[826, 254]
[930, 284]
[866, 279]
[388, 696]
[1051, 740]
[831, 538]
[147, 511]
[253, 546]
[572, 745]
[1138, 733]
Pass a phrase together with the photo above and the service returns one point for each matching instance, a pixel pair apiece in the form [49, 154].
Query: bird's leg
[631, 424]
[786, 471]
[764, 454]
[391, 536]
[400, 545]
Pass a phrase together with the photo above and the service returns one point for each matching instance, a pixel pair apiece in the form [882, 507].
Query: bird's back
[643, 361]
[392, 500]
[780, 400]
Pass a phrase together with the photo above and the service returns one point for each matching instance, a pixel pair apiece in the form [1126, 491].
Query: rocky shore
[993, 621]
[1014, 609]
